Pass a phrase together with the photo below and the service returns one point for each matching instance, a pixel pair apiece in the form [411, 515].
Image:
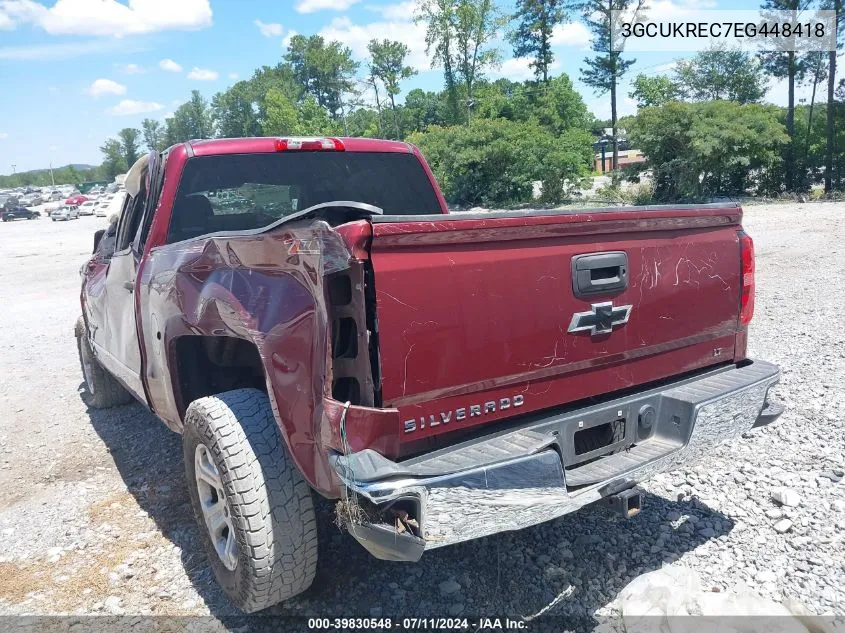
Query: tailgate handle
[598, 273]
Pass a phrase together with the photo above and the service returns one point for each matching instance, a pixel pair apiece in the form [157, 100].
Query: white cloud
[128, 106]
[571, 34]
[310, 6]
[233, 75]
[399, 11]
[130, 69]
[51, 52]
[269, 30]
[6, 23]
[669, 9]
[666, 68]
[106, 87]
[4, 135]
[170, 66]
[518, 69]
[169, 115]
[203, 74]
[357, 36]
[288, 38]
[108, 17]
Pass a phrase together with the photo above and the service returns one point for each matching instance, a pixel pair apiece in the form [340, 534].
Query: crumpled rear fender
[267, 289]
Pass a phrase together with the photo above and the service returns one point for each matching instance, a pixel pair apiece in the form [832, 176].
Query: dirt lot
[94, 516]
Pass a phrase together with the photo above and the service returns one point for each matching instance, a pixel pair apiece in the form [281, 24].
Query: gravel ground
[94, 514]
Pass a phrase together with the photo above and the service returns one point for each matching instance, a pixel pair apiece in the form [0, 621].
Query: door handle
[598, 273]
[129, 285]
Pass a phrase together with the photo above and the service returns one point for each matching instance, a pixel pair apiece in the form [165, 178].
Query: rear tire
[253, 507]
[102, 391]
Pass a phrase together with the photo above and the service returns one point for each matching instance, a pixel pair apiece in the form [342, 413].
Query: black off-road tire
[268, 503]
[102, 390]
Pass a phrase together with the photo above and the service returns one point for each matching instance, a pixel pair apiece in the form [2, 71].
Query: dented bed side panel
[266, 289]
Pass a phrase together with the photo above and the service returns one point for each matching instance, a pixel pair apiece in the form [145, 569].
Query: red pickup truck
[312, 319]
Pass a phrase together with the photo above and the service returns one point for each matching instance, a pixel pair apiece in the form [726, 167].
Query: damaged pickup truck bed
[312, 319]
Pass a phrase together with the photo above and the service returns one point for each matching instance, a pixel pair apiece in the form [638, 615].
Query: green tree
[651, 92]
[153, 134]
[422, 109]
[241, 110]
[324, 70]
[373, 81]
[234, 111]
[364, 122]
[830, 152]
[699, 150]
[477, 25]
[533, 33]
[789, 65]
[314, 119]
[285, 118]
[129, 145]
[387, 64]
[720, 74]
[191, 120]
[114, 162]
[460, 35]
[559, 107]
[282, 118]
[439, 19]
[495, 161]
[603, 72]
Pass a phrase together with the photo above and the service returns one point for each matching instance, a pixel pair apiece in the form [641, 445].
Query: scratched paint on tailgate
[479, 317]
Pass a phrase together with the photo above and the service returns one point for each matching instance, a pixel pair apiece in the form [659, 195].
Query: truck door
[118, 348]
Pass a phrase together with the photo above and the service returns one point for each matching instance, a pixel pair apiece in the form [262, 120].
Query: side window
[154, 181]
[130, 217]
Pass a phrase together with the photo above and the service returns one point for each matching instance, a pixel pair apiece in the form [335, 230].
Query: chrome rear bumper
[526, 475]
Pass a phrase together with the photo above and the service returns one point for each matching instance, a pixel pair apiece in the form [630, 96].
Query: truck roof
[267, 145]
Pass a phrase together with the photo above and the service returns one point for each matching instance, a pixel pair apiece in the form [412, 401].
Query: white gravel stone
[786, 497]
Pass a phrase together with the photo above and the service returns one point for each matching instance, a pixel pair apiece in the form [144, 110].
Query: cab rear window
[250, 191]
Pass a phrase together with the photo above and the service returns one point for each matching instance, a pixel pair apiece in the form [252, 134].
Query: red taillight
[309, 144]
[746, 253]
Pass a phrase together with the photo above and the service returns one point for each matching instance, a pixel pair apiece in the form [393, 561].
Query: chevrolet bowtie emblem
[601, 319]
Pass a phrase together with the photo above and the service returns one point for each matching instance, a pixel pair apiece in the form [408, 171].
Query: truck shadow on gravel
[513, 574]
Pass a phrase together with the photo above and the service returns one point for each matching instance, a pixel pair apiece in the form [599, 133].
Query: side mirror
[97, 237]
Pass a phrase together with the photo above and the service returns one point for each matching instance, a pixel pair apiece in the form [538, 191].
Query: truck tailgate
[474, 313]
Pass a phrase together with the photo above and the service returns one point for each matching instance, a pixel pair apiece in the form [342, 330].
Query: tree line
[702, 126]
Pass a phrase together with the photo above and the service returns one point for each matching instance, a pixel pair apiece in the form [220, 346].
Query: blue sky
[76, 71]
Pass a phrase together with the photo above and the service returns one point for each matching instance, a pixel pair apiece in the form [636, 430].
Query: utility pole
[51, 174]
[13, 169]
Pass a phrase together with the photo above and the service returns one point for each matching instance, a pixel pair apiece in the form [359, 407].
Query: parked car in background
[76, 200]
[8, 201]
[55, 195]
[31, 200]
[18, 213]
[50, 207]
[113, 204]
[87, 207]
[66, 212]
